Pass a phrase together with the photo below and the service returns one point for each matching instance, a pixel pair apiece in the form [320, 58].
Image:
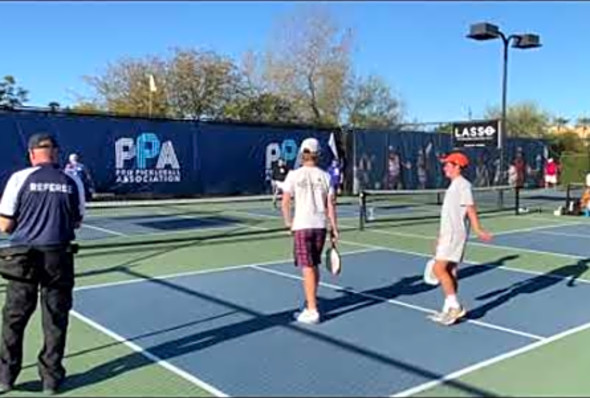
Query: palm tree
[584, 122]
[53, 106]
[560, 122]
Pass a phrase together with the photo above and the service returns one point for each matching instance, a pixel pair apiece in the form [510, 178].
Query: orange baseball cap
[458, 158]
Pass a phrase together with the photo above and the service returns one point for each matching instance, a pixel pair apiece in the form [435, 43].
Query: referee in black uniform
[41, 207]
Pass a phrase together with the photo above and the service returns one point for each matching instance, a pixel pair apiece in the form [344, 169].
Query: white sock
[451, 301]
[312, 311]
[446, 306]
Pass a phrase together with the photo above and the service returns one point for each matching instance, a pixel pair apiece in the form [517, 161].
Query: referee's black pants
[56, 282]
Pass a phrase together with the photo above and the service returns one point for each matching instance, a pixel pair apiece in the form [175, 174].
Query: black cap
[36, 139]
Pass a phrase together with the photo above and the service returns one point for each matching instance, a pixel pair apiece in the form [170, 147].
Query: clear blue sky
[419, 47]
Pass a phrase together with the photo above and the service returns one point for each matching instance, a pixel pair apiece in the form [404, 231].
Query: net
[140, 221]
[165, 221]
[542, 200]
[216, 202]
[573, 198]
[392, 206]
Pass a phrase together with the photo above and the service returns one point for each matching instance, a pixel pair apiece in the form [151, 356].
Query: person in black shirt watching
[279, 173]
[40, 208]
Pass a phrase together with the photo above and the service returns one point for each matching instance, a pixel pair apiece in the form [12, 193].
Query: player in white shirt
[315, 204]
[457, 215]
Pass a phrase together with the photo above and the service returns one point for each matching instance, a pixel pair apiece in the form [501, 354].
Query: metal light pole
[503, 128]
[487, 31]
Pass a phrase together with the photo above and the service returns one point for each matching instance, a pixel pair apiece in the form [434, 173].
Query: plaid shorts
[309, 244]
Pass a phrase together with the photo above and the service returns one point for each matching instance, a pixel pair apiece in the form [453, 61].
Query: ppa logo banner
[146, 160]
[483, 133]
[286, 150]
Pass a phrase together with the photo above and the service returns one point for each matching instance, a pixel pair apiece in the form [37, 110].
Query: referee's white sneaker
[308, 316]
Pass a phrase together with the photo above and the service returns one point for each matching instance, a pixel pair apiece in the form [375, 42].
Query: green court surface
[100, 365]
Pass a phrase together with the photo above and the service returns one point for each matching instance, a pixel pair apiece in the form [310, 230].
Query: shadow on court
[241, 233]
[347, 302]
[406, 286]
[530, 286]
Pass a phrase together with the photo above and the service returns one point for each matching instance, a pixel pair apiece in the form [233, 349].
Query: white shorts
[451, 248]
[276, 184]
[551, 179]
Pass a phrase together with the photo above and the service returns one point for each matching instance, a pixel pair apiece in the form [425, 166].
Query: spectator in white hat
[74, 167]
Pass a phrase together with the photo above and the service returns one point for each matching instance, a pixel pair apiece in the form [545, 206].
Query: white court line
[411, 391]
[518, 270]
[368, 248]
[536, 216]
[403, 304]
[565, 224]
[507, 232]
[480, 365]
[410, 235]
[108, 231]
[185, 216]
[484, 215]
[204, 271]
[213, 390]
[565, 234]
[248, 213]
[537, 228]
[154, 358]
[503, 267]
[255, 227]
[167, 233]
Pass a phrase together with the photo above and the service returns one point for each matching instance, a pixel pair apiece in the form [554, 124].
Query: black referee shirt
[45, 204]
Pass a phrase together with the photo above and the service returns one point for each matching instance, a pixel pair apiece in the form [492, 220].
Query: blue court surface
[104, 227]
[572, 240]
[233, 329]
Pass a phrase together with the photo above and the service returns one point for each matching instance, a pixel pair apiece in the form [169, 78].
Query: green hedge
[574, 167]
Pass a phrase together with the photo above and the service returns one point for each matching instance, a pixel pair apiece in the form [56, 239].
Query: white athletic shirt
[310, 188]
[454, 209]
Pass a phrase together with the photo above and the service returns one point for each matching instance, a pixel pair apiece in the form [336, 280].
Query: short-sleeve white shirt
[454, 209]
[310, 188]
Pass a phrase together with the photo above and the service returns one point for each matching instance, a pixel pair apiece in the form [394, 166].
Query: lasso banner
[476, 134]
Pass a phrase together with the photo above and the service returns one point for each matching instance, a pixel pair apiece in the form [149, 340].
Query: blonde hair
[309, 156]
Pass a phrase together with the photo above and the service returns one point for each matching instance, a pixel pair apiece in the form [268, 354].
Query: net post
[568, 197]
[517, 200]
[362, 210]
